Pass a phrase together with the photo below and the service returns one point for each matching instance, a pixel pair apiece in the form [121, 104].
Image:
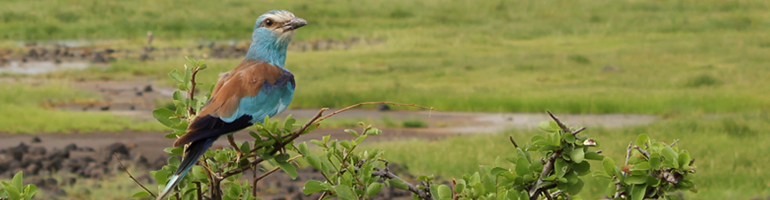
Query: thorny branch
[385, 173]
[132, 177]
[537, 188]
[191, 92]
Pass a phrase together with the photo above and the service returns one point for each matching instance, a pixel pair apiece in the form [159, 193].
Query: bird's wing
[241, 97]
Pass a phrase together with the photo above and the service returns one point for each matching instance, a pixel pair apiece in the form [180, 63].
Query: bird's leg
[231, 139]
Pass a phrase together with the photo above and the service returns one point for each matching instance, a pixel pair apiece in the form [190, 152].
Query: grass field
[654, 57]
[729, 153]
[23, 110]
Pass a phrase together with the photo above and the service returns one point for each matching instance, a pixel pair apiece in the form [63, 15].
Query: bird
[260, 86]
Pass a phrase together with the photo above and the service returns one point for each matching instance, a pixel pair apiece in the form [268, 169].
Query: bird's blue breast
[273, 98]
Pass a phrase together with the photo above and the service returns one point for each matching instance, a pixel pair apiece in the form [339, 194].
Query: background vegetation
[699, 64]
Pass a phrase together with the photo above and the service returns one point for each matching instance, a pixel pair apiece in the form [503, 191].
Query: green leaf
[575, 188]
[577, 155]
[672, 197]
[289, 169]
[161, 176]
[176, 75]
[346, 144]
[610, 190]
[398, 183]
[654, 161]
[163, 116]
[636, 179]
[312, 186]
[174, 151]
[642, 139]
[245, 147]
[13, 192]
[546, 126]
[373, 189]
[641, 166]
[344, 192]
[609, 166]
[29, 191]
[670, 155]
[638, 192]
[303, 149]
[140, 194]
[495, 171]
[459, 186]
[582, 168]
[17, 180]
[684, 159]
[373, 131]
[444, 192]
[351, 132]
[569, 138]
[593, 156]
[522, 166]
[600, 173]
[560, 167]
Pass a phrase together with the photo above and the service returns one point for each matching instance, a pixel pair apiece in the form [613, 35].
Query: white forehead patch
[280, 16]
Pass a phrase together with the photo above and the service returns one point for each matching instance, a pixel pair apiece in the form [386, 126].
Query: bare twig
[547, 195]
[191, 92]
[513, 142]
[620, 184]
[674, 143]
[535, 190]
[628, 154]
[556, 193]
[645, 153]
[231, 140]
[132, 177]
[322, 195]
[564, 127]
[369, 103]
[274, 169]
[200, 193]
[254, 184]
[385, 173]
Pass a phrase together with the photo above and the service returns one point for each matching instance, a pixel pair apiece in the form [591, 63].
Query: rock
[68, 181]
[115, 148]
[18, 152]
[56, 191]
[139, 94]
[72, 166]
[36, 139]
[53, 165]
[148, 88]
[141, 161]
[51, 182]
[37, 151]
[35, 180]
[71, 147]
[61, 153]
[94, 170]
[383, 107]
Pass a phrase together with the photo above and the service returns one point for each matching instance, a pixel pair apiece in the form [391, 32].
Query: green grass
[729, 152]
[662, 56]
[23, 110]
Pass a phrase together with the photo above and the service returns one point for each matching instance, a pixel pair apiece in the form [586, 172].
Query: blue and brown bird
[258, 87]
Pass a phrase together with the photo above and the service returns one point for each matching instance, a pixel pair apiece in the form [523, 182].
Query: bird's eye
[269, 22]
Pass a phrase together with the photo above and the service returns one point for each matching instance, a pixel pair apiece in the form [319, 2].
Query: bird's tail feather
[194, 151]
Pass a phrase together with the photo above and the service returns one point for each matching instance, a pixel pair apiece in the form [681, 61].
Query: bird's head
[272, 34]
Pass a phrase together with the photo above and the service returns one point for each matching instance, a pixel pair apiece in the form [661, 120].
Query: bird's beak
[295, 23]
